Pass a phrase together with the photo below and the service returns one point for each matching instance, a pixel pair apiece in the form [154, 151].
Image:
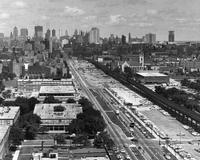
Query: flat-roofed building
[30, 85]
[152, 77]
[9, 115]
[57, 116]
[4, 134]
[59, 92]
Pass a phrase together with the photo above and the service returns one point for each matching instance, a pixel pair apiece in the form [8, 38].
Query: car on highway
[167, 156]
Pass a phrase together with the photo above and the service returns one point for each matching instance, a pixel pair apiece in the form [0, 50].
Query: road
[151, 150]
[111, 127]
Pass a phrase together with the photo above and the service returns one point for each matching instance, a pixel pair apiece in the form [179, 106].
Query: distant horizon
[107, 36]
[111, 16]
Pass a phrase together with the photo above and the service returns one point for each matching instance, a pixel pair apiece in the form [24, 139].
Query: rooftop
[151, 74]
[47, 111]
[45, 80]
[57, 89]
[8, 112]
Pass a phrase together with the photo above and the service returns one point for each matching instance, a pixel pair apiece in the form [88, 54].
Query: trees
[71, 100]
[51, 99]
[128, 71]
[16, 135]
[89, 122]
[103, 140]
[32, 102]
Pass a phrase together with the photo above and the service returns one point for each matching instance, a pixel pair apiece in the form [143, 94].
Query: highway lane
[152, 151]
[109, 123]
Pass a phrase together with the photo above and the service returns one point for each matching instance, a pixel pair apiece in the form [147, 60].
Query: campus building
[59, 92]
[4, 134]
[33, 85]
[57, 116]
[9, 115]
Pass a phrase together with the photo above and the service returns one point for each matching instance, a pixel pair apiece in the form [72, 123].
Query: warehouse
[152, 77]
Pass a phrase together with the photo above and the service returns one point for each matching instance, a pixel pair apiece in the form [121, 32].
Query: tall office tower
[24, 32]
[66, 33]
[123, 39]
[171, 36]
[76, 32]
[11, 35]
[53, 33]
[48, 34]
[94, 35]
[38, 32]
[150, 38]
[15, 33]
[129, 38]
[1, 35]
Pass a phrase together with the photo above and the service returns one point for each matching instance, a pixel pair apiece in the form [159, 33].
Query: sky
[111, 16]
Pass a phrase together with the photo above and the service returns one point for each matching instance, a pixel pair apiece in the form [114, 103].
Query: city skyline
[138, 17]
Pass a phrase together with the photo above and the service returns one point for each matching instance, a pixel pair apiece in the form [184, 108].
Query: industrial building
[152, 77]
[57, 116]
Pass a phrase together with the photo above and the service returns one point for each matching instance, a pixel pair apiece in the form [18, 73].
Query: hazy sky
[110, 16]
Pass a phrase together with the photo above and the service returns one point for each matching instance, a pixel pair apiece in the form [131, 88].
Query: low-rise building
[4, 134]
[56, 117]
[152, 77]
[30, 85]
[9, 115]
[59, 92]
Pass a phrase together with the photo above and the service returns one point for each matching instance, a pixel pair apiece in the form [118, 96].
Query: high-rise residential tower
[94, 35]
[38, 32]
[150, 38]
[171, 36]
[24, 32]
[15, 33]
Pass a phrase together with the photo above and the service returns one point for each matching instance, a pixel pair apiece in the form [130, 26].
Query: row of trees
[90, 121]
[180, 97]
[192, 85]
[28, 124]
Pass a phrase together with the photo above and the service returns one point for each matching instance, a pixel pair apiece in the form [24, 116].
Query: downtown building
[171, 37]
[94, 36]
[150, 38]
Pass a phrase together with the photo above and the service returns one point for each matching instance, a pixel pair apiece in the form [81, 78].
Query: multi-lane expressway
[150, 150]
[111, 127]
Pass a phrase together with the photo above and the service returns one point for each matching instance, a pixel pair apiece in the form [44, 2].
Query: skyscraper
[66, 33]
[53, 33]
[24, 32]
[94, 35]
[123, 39]
[38, 32]
[15, 33]
[48, 34]
[1, 35]
[129, 38]
[150, 38]
[171, 36]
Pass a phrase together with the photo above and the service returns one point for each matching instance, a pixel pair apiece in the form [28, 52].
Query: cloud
[117, 19]
[4, 15]
[44, 17]
[73, 11]
[20, 4]
[141, 24]
[152, 11]
[90, 18]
